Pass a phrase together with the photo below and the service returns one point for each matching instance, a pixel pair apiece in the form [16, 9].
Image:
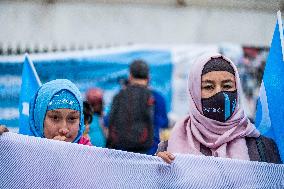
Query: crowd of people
[215, 125]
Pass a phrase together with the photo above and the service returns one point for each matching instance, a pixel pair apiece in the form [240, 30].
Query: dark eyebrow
[55, 111]
[208, 81]
[74, 112]
[227, 80]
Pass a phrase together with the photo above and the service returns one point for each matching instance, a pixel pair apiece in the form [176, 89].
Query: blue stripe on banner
[56, 164]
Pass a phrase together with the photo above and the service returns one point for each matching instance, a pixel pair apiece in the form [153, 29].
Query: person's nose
[64, 129]
[218, 89]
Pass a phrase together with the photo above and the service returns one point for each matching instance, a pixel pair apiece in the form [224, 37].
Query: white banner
[29, 162]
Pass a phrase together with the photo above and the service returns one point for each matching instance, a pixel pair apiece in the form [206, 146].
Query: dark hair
[139, 69]
[218, 64]
[88, 112]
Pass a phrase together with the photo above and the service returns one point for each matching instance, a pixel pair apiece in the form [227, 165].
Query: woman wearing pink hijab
[216, 124]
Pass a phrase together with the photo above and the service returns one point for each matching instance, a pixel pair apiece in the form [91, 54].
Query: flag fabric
[270, 111]
[31, 162]
[30, 84]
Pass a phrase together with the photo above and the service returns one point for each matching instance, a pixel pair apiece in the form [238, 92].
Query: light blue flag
[270, 105]
[30, 84]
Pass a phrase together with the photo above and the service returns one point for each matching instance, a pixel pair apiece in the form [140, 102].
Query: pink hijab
[224, 139]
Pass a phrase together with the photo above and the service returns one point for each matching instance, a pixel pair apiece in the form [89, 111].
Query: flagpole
[279, 19]
[33, 68]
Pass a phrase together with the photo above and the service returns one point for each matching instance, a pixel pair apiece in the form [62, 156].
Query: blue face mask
[221, 106]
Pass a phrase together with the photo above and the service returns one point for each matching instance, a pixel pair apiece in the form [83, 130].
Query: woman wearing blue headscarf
[56, 112]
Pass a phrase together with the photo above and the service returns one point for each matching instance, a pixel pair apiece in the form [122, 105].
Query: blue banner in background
[270, 111]
[87, 71]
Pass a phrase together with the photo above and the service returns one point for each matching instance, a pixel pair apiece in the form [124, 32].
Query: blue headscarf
[64, 99]
[53, 91]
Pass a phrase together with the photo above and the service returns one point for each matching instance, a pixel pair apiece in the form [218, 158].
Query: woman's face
[217, 81]
[61, 124]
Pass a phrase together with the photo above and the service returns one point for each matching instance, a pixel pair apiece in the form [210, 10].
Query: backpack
[130, 121]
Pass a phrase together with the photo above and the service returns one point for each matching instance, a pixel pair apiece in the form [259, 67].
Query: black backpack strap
[261, 149]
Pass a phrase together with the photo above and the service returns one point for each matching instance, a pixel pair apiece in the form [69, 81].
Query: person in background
[131, 113]
[139, 75]
[216, 124]
[56, 112]
[160, 114]
[88, 118]
[97, 131]
[160, 118]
